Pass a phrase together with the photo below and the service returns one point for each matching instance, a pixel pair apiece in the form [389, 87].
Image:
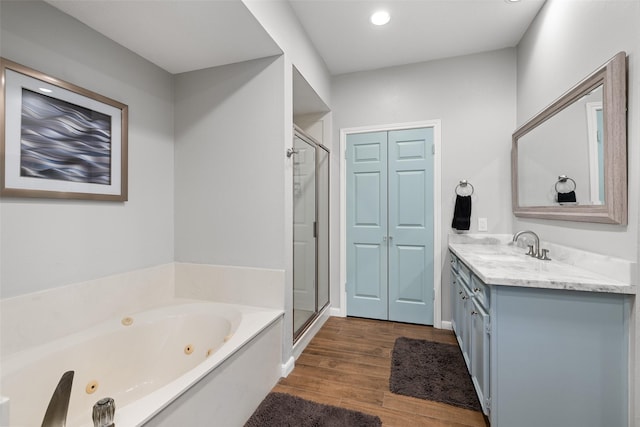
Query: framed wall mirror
[569, 162]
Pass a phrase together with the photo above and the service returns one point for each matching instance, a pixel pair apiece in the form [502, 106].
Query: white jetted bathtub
[185, 362]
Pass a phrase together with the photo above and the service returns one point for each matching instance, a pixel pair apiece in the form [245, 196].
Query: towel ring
[464, 183]
[562, 179]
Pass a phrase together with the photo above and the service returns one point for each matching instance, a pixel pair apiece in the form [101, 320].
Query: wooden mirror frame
[613, 77]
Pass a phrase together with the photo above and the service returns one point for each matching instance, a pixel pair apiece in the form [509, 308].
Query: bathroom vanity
[546, 342]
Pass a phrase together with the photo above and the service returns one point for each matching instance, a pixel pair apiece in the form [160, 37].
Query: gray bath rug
[285, 410]
[431, 371]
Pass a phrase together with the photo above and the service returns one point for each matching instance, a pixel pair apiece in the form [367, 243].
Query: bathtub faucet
[104, 412]
[56, 415]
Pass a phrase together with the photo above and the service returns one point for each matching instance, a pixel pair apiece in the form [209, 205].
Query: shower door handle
[291, 152]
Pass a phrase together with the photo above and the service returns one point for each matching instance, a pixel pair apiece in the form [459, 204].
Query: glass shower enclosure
[310, 230]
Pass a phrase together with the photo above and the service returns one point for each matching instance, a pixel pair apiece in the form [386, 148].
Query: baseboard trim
[336, 312]
[287, 367]
[307, 335]
[446, 324]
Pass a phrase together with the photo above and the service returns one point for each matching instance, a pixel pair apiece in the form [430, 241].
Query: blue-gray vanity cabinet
[470, 322]
[462, 308]
[453, 295]
[559, 358]
[545, 357]
[479, 354]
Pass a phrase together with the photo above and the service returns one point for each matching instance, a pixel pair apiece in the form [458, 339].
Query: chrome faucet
[104, 412]
[534, 250]
[56, 415]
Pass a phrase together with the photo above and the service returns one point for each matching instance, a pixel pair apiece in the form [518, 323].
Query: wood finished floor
[347, 364]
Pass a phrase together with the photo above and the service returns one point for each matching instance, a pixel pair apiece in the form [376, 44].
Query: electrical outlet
[482, 224]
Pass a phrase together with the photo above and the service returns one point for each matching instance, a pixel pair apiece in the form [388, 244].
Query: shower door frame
[299, 133]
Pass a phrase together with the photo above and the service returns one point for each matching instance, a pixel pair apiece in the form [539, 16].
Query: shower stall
[310, 230]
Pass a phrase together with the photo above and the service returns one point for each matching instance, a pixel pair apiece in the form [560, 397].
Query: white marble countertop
[500, 263]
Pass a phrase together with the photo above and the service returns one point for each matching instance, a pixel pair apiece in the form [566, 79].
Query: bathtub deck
[348, 363]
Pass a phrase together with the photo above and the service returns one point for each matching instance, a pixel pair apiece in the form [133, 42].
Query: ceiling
[419, 30]
[186, 35]
[177, 35]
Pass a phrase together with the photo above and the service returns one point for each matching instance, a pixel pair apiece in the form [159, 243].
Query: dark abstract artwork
[63, 141]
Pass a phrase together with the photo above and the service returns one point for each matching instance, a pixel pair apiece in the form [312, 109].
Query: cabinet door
[479, 350]
[454, 300]
[459, 310]
[465, 326]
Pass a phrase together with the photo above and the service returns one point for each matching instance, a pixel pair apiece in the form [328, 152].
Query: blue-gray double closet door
[389, 222]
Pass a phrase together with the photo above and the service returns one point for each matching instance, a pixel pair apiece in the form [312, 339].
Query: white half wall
[258, 287]
[50, 243]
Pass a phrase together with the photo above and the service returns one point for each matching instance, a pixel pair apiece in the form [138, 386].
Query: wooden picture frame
[612, 76]
[58, 140]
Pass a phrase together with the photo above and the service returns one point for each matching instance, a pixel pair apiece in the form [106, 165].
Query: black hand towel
[567, 197]
[462, 213]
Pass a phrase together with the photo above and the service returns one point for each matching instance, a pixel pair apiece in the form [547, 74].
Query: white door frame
[437, 249]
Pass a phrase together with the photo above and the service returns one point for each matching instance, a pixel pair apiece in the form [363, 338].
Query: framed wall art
[59, 140]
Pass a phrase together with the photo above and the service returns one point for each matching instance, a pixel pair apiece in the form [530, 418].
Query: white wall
[474, 97]
[279, 20]
[235, 208]
[228, 163]
[567, 41]
[50, 243]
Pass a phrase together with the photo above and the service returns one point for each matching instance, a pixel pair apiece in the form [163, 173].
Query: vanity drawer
[480, 292]
[465, 273]
[454, 262]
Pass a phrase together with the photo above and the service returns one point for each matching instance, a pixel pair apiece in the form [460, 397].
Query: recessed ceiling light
[45, 90]
[511, 1]
[380, 17]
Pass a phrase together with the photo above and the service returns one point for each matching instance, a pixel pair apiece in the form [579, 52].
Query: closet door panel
[410, 165]
[367, 225]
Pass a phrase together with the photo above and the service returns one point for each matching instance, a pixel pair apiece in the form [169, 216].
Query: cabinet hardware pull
[476, 289]
[473, 313]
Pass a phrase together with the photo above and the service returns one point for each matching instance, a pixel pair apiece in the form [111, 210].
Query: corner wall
[474, 97]
[281, 23]
[567, 41]
[50, 243]
[228, 165]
